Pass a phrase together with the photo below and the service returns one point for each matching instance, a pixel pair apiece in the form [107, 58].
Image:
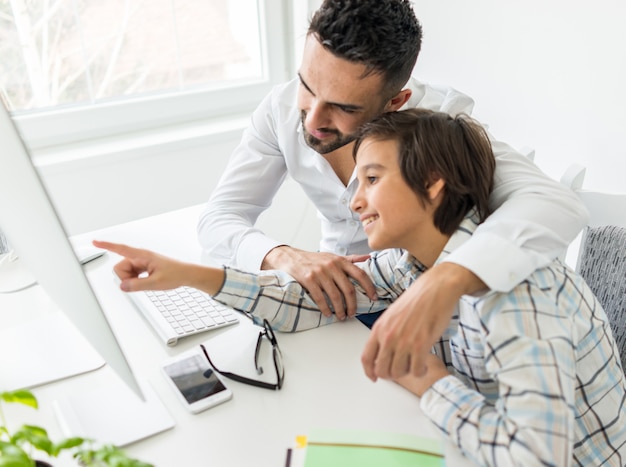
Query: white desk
[324, 382]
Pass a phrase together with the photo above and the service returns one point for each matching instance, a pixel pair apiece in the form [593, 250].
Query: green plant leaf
[13, 456]
[35, 436]
[108, 455]
[138, 463]
[120, 459]
[21, 396]
[34, 430]
[68, 443]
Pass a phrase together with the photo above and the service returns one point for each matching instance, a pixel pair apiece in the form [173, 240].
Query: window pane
[56, 52]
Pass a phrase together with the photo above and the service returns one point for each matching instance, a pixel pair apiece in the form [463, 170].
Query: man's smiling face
[335, 98]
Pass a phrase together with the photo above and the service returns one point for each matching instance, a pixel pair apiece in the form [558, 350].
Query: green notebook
[348, 448]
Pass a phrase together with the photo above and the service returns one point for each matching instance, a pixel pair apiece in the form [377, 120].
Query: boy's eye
[371, 179]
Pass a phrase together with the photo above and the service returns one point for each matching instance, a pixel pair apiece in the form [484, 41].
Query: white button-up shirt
[535, 220]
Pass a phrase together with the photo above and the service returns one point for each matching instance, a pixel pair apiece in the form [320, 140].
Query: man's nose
[316, 116]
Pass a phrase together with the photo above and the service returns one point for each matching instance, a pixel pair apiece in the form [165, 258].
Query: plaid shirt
[535, 373]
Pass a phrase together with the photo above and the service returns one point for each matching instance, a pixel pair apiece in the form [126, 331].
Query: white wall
[106, 183]
[545, 74]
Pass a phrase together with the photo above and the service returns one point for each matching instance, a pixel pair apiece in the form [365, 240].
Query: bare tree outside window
[66, 52]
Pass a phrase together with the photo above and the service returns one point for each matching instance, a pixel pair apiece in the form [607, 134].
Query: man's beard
[339, 141]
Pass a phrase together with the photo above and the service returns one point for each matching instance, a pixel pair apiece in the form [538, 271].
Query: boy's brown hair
[434, 145]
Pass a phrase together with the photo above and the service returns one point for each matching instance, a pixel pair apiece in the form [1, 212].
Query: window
[81, 69]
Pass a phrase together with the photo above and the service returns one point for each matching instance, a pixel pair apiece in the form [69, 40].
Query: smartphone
[197, 386]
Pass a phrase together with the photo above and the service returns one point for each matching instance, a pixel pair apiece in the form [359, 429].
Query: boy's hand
[418, 385]
[402, 337]
[144, 269]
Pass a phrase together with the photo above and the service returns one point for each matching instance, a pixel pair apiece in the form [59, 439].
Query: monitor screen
[33, 228]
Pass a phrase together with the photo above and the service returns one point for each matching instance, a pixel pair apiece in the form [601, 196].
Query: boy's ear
[398, 100]
[435, 188]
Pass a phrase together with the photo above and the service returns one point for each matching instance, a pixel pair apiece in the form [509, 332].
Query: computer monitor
[33, 228]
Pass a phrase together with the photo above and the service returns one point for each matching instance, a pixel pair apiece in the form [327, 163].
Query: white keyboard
[182, 312]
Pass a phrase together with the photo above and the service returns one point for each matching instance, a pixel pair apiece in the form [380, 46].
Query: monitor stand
[47, 348]
[14, 276]
[43, 350]
[39, 344]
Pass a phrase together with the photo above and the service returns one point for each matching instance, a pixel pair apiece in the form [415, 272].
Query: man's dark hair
[434, 145]
[384, 35]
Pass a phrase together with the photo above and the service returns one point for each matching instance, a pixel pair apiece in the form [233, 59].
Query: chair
[602, 252]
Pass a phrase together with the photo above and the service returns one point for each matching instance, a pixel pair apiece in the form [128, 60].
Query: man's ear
[398, 100]
[435, 188]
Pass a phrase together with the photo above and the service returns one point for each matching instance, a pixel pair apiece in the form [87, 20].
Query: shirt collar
[461, 235]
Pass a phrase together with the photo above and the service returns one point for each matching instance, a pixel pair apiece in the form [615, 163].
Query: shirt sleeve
[528, 418]
[277, 297]
[254, 173]
[534, 217]
[533, 221]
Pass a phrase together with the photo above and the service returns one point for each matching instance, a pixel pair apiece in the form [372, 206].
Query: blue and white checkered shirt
[535, 373]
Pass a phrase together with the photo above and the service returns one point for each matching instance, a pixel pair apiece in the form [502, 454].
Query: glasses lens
[262, 355]
[270, 333]
[257, 352]
[278, 363]
[278, 356]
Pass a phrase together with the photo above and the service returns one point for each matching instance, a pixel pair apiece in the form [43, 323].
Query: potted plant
[17, 448]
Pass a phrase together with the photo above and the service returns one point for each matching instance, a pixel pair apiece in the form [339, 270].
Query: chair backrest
[602, 252]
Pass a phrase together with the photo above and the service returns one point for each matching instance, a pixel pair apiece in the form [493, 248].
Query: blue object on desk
[370, 318]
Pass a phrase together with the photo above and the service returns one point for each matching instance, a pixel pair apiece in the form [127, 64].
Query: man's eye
[347, 110]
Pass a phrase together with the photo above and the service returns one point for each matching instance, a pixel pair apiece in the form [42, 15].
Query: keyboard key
[189, 311]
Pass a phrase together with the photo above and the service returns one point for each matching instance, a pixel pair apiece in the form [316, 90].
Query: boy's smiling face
[392, 214]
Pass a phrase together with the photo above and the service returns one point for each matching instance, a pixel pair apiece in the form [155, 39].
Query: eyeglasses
[268, 333]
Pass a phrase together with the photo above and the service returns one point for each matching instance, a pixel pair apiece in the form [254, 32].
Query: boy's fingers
[135, 285]
[122, 250]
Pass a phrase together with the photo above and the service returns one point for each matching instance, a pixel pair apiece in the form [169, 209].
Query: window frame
[66, 125]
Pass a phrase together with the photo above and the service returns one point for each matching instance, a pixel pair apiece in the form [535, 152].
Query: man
[357, 62]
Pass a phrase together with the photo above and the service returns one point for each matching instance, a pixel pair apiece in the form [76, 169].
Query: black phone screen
[194, 378]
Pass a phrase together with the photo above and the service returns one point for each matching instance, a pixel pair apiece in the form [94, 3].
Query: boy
[529, 377]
